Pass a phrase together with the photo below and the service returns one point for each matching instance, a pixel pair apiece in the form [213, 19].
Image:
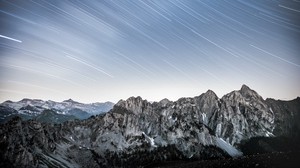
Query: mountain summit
[247, 92]
[70, 101]
[245, 88]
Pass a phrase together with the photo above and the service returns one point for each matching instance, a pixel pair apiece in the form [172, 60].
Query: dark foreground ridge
[272, 160]
[241, 129]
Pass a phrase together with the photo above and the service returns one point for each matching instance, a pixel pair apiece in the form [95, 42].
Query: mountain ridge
[30, 108]
[199, 127]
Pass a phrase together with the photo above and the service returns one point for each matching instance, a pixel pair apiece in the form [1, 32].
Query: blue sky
[109, 50]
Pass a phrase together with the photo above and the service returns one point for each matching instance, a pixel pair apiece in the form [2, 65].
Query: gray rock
[199, 127]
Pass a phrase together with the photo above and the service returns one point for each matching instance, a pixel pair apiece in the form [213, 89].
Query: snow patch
[269, 134]
[164, 113]
[204, 119]
[232, 151]
[150, 140]
[218, 130]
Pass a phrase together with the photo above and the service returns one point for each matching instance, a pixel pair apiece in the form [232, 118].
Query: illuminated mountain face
[137, 133]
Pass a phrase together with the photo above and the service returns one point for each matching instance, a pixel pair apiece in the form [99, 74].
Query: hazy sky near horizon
[106, 50]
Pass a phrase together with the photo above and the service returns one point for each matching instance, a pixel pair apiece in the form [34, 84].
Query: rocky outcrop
[242, 114]
[238, 115]
[287, 117]
[22, 143]
[201, 127]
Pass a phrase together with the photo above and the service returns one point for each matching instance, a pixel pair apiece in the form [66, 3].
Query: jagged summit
[131, 99]
[164, 101]
[138, 98]
[29, 100]
[8, 101]
[249, 93]
[245, 88]
[133, 104]
[208, 99]
[70, 101]
[25, 99]
[210, 93]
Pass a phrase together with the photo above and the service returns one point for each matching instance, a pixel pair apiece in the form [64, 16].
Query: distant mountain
[50, 116]
[137, 133]
[7, 113]
[78, 113]
[30, 108]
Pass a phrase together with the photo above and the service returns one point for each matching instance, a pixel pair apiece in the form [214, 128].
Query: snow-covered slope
[34, 107]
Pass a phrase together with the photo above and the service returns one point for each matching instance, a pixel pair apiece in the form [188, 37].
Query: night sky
[93, 51]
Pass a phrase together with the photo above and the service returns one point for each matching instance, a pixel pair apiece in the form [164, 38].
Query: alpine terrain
[137, 133]
[51, 111]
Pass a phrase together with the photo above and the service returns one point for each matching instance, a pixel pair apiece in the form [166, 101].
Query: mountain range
[51, 111]
[138, 133]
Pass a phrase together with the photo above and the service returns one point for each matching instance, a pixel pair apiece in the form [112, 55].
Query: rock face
[20, 141]
[238, 115]
[136, 132]
[243, 114]
[287, 117]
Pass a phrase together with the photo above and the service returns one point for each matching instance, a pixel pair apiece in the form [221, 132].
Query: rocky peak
[209, 94]
[245, 94]
[130, 100]
[70, 101]
[249, 93]
[134, 104]
[25, 100]
[245, 88]
[164, 102]
[7, 101]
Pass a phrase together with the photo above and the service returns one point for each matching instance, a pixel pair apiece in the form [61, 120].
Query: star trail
[109, 50]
